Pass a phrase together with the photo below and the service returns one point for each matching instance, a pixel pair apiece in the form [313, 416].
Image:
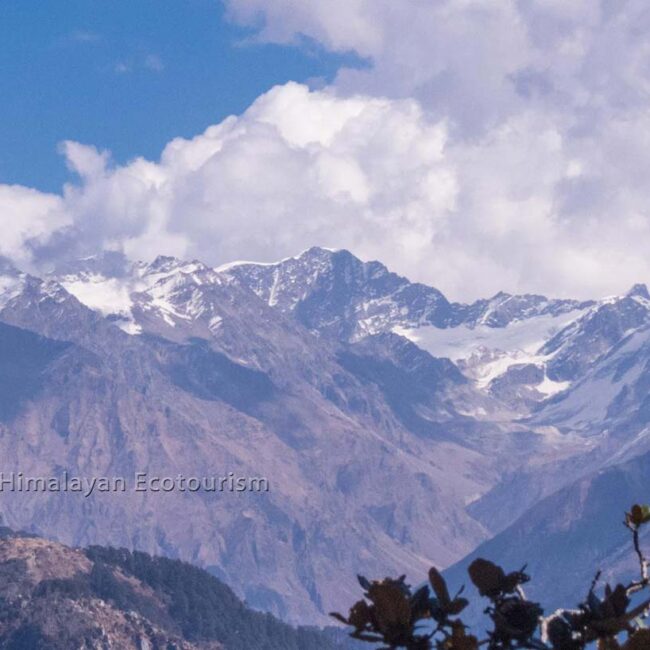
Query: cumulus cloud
[487, 146]
[521, 208]
[457, 56]
[478, 61]
[27, 219]
[545, 103]
[299, 168]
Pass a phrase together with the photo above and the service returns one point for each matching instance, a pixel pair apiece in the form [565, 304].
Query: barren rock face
[53, 597]
[48, 602]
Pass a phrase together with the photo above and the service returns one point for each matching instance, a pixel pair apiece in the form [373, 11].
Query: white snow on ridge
[231, 265]
[105, 295]
[522, 339]
[108, 296]
[550, 387]
[10, 287]
[484, 372]
[488, 352]
[590, 399]
[224, 268]
[153, 286]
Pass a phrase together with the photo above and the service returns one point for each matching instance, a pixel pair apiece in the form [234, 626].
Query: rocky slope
[53, 597]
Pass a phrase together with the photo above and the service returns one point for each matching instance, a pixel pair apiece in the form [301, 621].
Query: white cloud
[154, 63]
[150, 63]
[477, 61]
[27, 217]
[494, 146]
[84, 160]
[455, 55]
[353, 172]
[546, 106]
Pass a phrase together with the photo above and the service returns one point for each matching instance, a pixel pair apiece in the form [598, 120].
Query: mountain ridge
[340, 390]
[55, 597]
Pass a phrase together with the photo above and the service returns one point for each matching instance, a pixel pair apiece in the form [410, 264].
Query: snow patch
[105, 295]
[550, 387]
[520, 339]
[485, 353]
[10, 287]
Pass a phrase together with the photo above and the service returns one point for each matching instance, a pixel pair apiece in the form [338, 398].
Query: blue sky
[128, 76]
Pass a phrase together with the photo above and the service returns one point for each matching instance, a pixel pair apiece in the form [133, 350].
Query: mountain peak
[322, 251]
[308, 255]
[164, 263]
[639, 290]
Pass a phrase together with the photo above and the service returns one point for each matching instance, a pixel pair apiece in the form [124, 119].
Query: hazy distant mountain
[397, 428]
[568, 536]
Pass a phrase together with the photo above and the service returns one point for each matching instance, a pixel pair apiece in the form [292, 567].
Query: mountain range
[396, 429]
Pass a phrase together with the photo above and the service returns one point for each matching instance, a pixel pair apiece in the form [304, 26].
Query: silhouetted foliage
[392, 614]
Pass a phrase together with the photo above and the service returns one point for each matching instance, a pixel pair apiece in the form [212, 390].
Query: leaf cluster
[393, 615]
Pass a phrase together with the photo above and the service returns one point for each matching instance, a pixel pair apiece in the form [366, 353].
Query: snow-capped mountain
[334, 292]
[501, 338]
[527, 356]
[498, 343]
[516, 348]
[132, 294]
[596, 332]
[333, 377]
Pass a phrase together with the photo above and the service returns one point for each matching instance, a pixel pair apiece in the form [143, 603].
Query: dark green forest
[200, 605]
